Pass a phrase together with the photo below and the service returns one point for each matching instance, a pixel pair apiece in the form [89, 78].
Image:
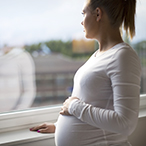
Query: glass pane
[139, 42]
[42, 45]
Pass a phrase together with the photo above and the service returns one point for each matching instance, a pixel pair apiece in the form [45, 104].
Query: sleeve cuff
[69, 108]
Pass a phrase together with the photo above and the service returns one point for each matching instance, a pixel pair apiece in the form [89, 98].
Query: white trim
[142, 110]
[14, 126]
[25, 119]
[23, 136]
[143, 101]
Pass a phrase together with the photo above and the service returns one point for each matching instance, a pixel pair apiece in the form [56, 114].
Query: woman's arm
[124, 73]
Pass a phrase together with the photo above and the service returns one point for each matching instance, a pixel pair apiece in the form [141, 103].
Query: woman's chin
[87, 36]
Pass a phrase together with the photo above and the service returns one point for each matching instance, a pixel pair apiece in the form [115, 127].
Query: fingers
[45, 130]
[73, 98]
[64, 108]
[36, 128]
[65, 101]
[64, 111]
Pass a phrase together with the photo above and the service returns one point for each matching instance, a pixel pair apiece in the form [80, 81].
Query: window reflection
[17, 79]
[41, 73]
[140, 48]
[55, 70]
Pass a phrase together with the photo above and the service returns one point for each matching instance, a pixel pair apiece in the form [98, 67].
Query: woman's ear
[98, 13]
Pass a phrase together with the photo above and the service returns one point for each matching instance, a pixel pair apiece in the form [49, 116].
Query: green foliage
[58, 46]
[31, 48]
[140, 48]
[65, 48]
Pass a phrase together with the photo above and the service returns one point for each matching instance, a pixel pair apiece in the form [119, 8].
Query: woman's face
[89, 22]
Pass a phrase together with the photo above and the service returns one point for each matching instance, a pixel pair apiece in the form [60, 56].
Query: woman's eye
[83, 14]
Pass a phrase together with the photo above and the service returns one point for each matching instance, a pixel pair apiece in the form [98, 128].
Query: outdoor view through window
[42, 45]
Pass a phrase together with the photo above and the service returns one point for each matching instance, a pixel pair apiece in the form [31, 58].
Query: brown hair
[120, 12]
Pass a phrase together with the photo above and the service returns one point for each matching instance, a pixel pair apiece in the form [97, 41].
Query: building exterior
[54, 78]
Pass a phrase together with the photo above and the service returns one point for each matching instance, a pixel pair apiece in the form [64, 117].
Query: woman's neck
[108, 39]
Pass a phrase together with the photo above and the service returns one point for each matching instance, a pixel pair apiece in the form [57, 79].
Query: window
[42, 45]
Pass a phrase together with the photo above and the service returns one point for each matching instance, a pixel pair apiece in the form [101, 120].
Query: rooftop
[56, 63]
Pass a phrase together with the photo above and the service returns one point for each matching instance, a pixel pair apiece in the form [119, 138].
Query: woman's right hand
[44, 128]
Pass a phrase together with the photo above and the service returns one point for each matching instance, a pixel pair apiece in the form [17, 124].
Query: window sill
[22, 136]
[25, 119]
[14, 127]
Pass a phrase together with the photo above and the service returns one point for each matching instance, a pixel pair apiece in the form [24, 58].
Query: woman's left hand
[64, 108]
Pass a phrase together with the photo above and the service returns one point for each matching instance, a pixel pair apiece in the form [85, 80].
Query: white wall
[138, 138]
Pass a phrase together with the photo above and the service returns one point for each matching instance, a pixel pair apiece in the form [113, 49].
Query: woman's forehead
[85, 5]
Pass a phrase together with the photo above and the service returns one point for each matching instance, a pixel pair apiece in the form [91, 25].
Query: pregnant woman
[104, 105]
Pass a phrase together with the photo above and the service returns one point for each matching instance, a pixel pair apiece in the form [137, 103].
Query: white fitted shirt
[108, 88]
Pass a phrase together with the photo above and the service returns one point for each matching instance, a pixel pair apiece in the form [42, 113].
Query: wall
[138, 138]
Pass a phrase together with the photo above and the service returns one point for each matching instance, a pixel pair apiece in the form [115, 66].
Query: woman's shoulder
[124, 50]
[124, 59]
[124, 55]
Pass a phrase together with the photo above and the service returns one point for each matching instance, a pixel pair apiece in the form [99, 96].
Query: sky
[32, 21]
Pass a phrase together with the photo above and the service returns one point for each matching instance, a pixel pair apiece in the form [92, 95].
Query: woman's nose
[82, 22]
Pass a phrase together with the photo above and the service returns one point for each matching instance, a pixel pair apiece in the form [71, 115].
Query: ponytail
[129, 17]
[120, 13]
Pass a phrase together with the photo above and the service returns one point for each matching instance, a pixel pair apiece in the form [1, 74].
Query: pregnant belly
[72, 132]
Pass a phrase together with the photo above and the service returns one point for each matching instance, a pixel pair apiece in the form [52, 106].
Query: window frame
[27, 118]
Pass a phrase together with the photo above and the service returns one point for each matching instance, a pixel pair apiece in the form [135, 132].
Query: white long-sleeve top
[108, 86]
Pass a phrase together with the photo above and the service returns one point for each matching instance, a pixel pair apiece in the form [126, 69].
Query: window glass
[42, 45]
[139, 41]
